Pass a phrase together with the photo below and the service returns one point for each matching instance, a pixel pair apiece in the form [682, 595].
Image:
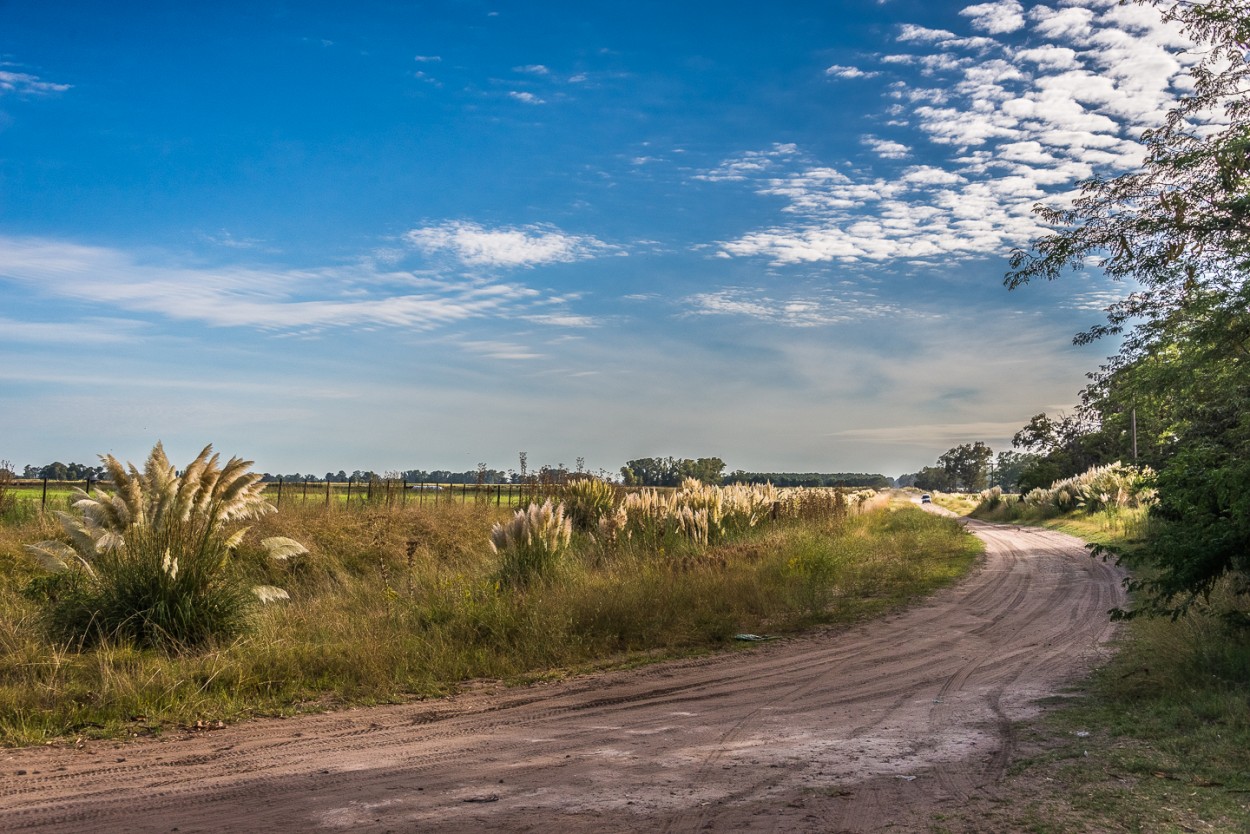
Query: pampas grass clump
[532, 543]
[150, 562]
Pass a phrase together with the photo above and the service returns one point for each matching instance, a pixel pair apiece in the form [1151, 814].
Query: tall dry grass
[394, 603]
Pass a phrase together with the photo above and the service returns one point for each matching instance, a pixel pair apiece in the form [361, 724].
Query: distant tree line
[664, 472]
[811, 479]
[58, 471]
[412, 476]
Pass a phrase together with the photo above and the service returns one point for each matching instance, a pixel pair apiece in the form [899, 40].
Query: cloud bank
[1001, 120]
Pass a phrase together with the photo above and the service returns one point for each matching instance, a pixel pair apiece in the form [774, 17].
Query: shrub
[150, 562]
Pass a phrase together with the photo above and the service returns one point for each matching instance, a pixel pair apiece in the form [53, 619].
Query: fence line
[350, 493]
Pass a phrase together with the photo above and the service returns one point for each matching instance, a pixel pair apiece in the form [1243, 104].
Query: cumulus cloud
[1055, 96]
[277, 299]
[886, 149]
[996, 18]
[511, 246]
[527, 98]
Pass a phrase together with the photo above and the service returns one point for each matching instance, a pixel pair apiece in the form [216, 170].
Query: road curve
[854, 730]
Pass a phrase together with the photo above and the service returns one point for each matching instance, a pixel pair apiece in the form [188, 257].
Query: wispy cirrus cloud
[839, 71]
[1019, 115]
[24, 83]
[91, 331]
[275, 299]
[509, 246]
[750, 164]
[814, 309]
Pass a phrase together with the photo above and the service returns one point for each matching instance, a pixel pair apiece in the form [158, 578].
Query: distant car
[925, 499]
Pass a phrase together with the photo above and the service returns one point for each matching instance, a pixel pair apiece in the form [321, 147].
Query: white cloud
[427, 59]
[996, 18]
[750, 164]
[820, 308]
[22, 83]
[998, 133]
[1050, 57]
[533, 69]
[528, 98]
[362, 295]
[849, 72]
[509, 246]
[87, 332]
[911, 33]
[886, 149]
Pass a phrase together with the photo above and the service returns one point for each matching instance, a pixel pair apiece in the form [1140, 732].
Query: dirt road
[869, 729]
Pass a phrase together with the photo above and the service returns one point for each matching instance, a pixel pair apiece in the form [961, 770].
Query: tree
[55, 471]
[1179, 226]
[1009, 467]
[967, 465]
[707, 470]
[1060, 448]
[934, 479]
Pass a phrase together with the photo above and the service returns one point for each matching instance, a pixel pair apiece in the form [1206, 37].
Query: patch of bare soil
[875, 728]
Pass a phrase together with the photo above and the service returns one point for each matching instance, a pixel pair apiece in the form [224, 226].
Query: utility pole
[1134, 435]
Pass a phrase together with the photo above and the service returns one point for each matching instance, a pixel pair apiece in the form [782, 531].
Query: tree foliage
[1179, 227]
[672, 471]
[967, 466]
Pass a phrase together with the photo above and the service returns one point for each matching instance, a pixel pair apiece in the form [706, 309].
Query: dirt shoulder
[887, 726]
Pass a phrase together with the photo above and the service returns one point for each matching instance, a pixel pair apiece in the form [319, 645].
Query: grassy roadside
[395, 604]
[1158, 740]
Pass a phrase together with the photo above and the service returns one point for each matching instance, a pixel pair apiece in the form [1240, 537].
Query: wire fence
[46, 493]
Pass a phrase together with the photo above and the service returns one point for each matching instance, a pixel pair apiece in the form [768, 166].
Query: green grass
[399, 603]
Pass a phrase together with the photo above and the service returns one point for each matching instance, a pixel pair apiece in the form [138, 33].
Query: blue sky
[391, 235]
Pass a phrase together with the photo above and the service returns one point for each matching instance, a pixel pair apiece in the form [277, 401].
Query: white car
[925, 499]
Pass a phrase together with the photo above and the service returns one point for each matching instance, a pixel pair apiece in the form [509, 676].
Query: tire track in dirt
[855, 730]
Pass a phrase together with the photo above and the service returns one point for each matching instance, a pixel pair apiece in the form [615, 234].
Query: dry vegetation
[397, 602]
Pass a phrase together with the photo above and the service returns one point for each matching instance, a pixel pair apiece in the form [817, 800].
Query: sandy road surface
[869, 729]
